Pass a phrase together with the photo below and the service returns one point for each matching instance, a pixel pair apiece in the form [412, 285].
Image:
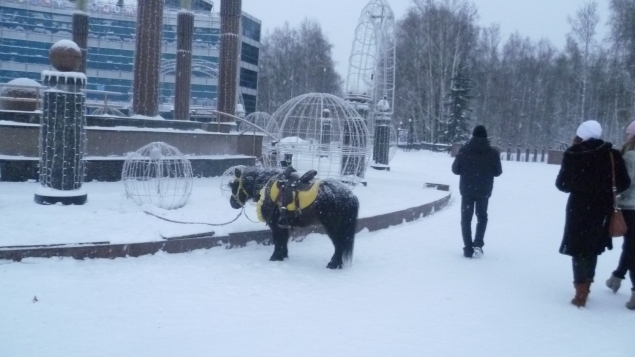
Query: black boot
[468, 252]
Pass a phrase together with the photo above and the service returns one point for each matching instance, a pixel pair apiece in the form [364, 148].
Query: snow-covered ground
[409, 291]
[109, 217]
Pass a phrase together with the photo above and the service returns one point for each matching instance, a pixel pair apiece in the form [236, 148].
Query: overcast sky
[532, 18]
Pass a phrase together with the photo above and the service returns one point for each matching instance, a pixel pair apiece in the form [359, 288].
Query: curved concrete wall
[205, 240]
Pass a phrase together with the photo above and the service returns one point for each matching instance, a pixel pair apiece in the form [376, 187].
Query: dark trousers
[627, 259]
[584, 268]
[468, 205]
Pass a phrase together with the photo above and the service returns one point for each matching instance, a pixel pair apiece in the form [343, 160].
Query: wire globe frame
[158, 174]
[371, 70]
[270, 125]
[322, 132]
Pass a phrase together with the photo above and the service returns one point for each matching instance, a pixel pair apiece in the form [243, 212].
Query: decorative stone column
[230, 12]
[185, 32]
[62, 138]
[147, 62]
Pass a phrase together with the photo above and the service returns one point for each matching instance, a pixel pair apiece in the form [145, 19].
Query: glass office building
[28, 28]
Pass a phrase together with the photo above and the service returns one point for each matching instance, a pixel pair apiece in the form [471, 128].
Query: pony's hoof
[333, 265]
[276, 258]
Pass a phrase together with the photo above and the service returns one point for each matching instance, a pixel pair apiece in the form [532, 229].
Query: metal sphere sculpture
[263, 122]
[323, 132]
[158, 174]
[65, 56]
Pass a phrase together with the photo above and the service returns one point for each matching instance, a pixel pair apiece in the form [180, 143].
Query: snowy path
[409, 293]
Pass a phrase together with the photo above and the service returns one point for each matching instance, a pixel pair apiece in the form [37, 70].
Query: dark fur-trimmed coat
[587, 176]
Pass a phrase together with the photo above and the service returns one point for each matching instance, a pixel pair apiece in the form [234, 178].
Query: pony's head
[246, 182]
[240, 195]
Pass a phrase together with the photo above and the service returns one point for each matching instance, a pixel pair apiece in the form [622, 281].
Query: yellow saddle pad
[306, 197]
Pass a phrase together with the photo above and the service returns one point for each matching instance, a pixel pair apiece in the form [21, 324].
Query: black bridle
[240, 189]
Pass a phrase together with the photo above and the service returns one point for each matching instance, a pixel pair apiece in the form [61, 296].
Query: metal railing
[39, 89]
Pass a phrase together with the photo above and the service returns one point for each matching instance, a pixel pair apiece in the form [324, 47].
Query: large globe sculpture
[323, 132]
[158, 174]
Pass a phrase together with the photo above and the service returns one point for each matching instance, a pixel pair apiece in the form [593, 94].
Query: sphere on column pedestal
[65, 56]
[62, 134]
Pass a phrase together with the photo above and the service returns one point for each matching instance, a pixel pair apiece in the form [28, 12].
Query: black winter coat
[587, 175]
[477, 163]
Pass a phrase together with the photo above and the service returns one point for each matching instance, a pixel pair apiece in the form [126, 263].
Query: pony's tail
[348, 243]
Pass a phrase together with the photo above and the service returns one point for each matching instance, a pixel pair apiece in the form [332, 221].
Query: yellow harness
[305, 198]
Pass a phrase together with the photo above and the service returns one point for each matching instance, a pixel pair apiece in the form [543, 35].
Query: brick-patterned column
[145, 90]
[230, 12]
[62, 139]
[80, 36]
[184, 32]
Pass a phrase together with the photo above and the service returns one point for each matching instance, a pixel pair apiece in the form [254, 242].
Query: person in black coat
[477, 163]
[587, 175]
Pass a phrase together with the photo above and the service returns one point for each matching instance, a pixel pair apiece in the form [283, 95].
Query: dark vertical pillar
[62, 139]
[325, 131]
[185, 32]
[230, 12]
[381, 147]
[80, 36]
[145, 90]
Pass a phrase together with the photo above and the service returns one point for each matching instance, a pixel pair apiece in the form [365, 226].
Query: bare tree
[295, 61]
[583, 31]
[442, 35]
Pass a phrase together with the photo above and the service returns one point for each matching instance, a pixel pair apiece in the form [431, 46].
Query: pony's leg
[331, 225]
[336, 260]
[340, 227]
[280, 239]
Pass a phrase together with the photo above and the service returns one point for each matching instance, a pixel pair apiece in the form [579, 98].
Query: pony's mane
[257, 177]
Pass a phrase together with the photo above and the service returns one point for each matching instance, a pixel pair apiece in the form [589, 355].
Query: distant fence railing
[21, 93]
[436, 147]
[509, 152]
[525, 154]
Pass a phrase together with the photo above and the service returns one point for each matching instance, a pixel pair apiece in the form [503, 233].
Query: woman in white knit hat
[586, 174]
[626, 202]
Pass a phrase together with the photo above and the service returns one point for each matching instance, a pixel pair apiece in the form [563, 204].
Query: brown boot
[581, 294]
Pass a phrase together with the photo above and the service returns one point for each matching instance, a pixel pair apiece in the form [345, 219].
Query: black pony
[332, 204]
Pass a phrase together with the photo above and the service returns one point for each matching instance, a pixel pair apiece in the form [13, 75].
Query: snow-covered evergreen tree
[458, 107]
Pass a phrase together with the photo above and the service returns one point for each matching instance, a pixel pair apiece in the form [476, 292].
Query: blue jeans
[627, 259]
[468, 205]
